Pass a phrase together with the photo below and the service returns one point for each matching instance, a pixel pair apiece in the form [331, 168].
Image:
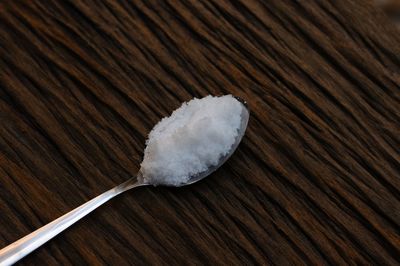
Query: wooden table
[316, 179]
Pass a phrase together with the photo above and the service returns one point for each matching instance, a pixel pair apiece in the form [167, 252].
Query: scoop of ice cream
[191, 140]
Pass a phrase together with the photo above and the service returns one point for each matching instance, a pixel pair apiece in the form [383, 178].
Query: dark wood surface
[316, 179]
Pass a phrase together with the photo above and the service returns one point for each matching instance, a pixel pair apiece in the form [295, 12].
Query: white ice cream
[192, 139]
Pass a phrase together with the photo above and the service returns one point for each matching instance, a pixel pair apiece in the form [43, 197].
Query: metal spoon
[22, 247]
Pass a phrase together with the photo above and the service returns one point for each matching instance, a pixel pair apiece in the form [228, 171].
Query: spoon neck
[129, 184]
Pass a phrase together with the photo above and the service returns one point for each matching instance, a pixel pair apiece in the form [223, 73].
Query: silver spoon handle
[22, 247]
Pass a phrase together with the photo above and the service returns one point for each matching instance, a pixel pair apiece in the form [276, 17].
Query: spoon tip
[242, 101]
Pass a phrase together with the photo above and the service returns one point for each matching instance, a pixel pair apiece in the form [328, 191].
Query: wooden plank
[315, 181]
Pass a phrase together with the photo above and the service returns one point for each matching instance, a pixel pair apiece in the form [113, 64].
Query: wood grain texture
[316, 179]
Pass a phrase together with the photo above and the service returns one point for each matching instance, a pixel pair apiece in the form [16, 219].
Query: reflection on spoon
[181, 150]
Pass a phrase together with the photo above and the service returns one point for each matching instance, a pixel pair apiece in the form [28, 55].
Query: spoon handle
[22, 247]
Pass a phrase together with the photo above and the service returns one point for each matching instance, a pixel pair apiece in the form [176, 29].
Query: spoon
[22, 247]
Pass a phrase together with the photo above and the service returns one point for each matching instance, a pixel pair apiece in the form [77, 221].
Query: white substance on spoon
[191, 140]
